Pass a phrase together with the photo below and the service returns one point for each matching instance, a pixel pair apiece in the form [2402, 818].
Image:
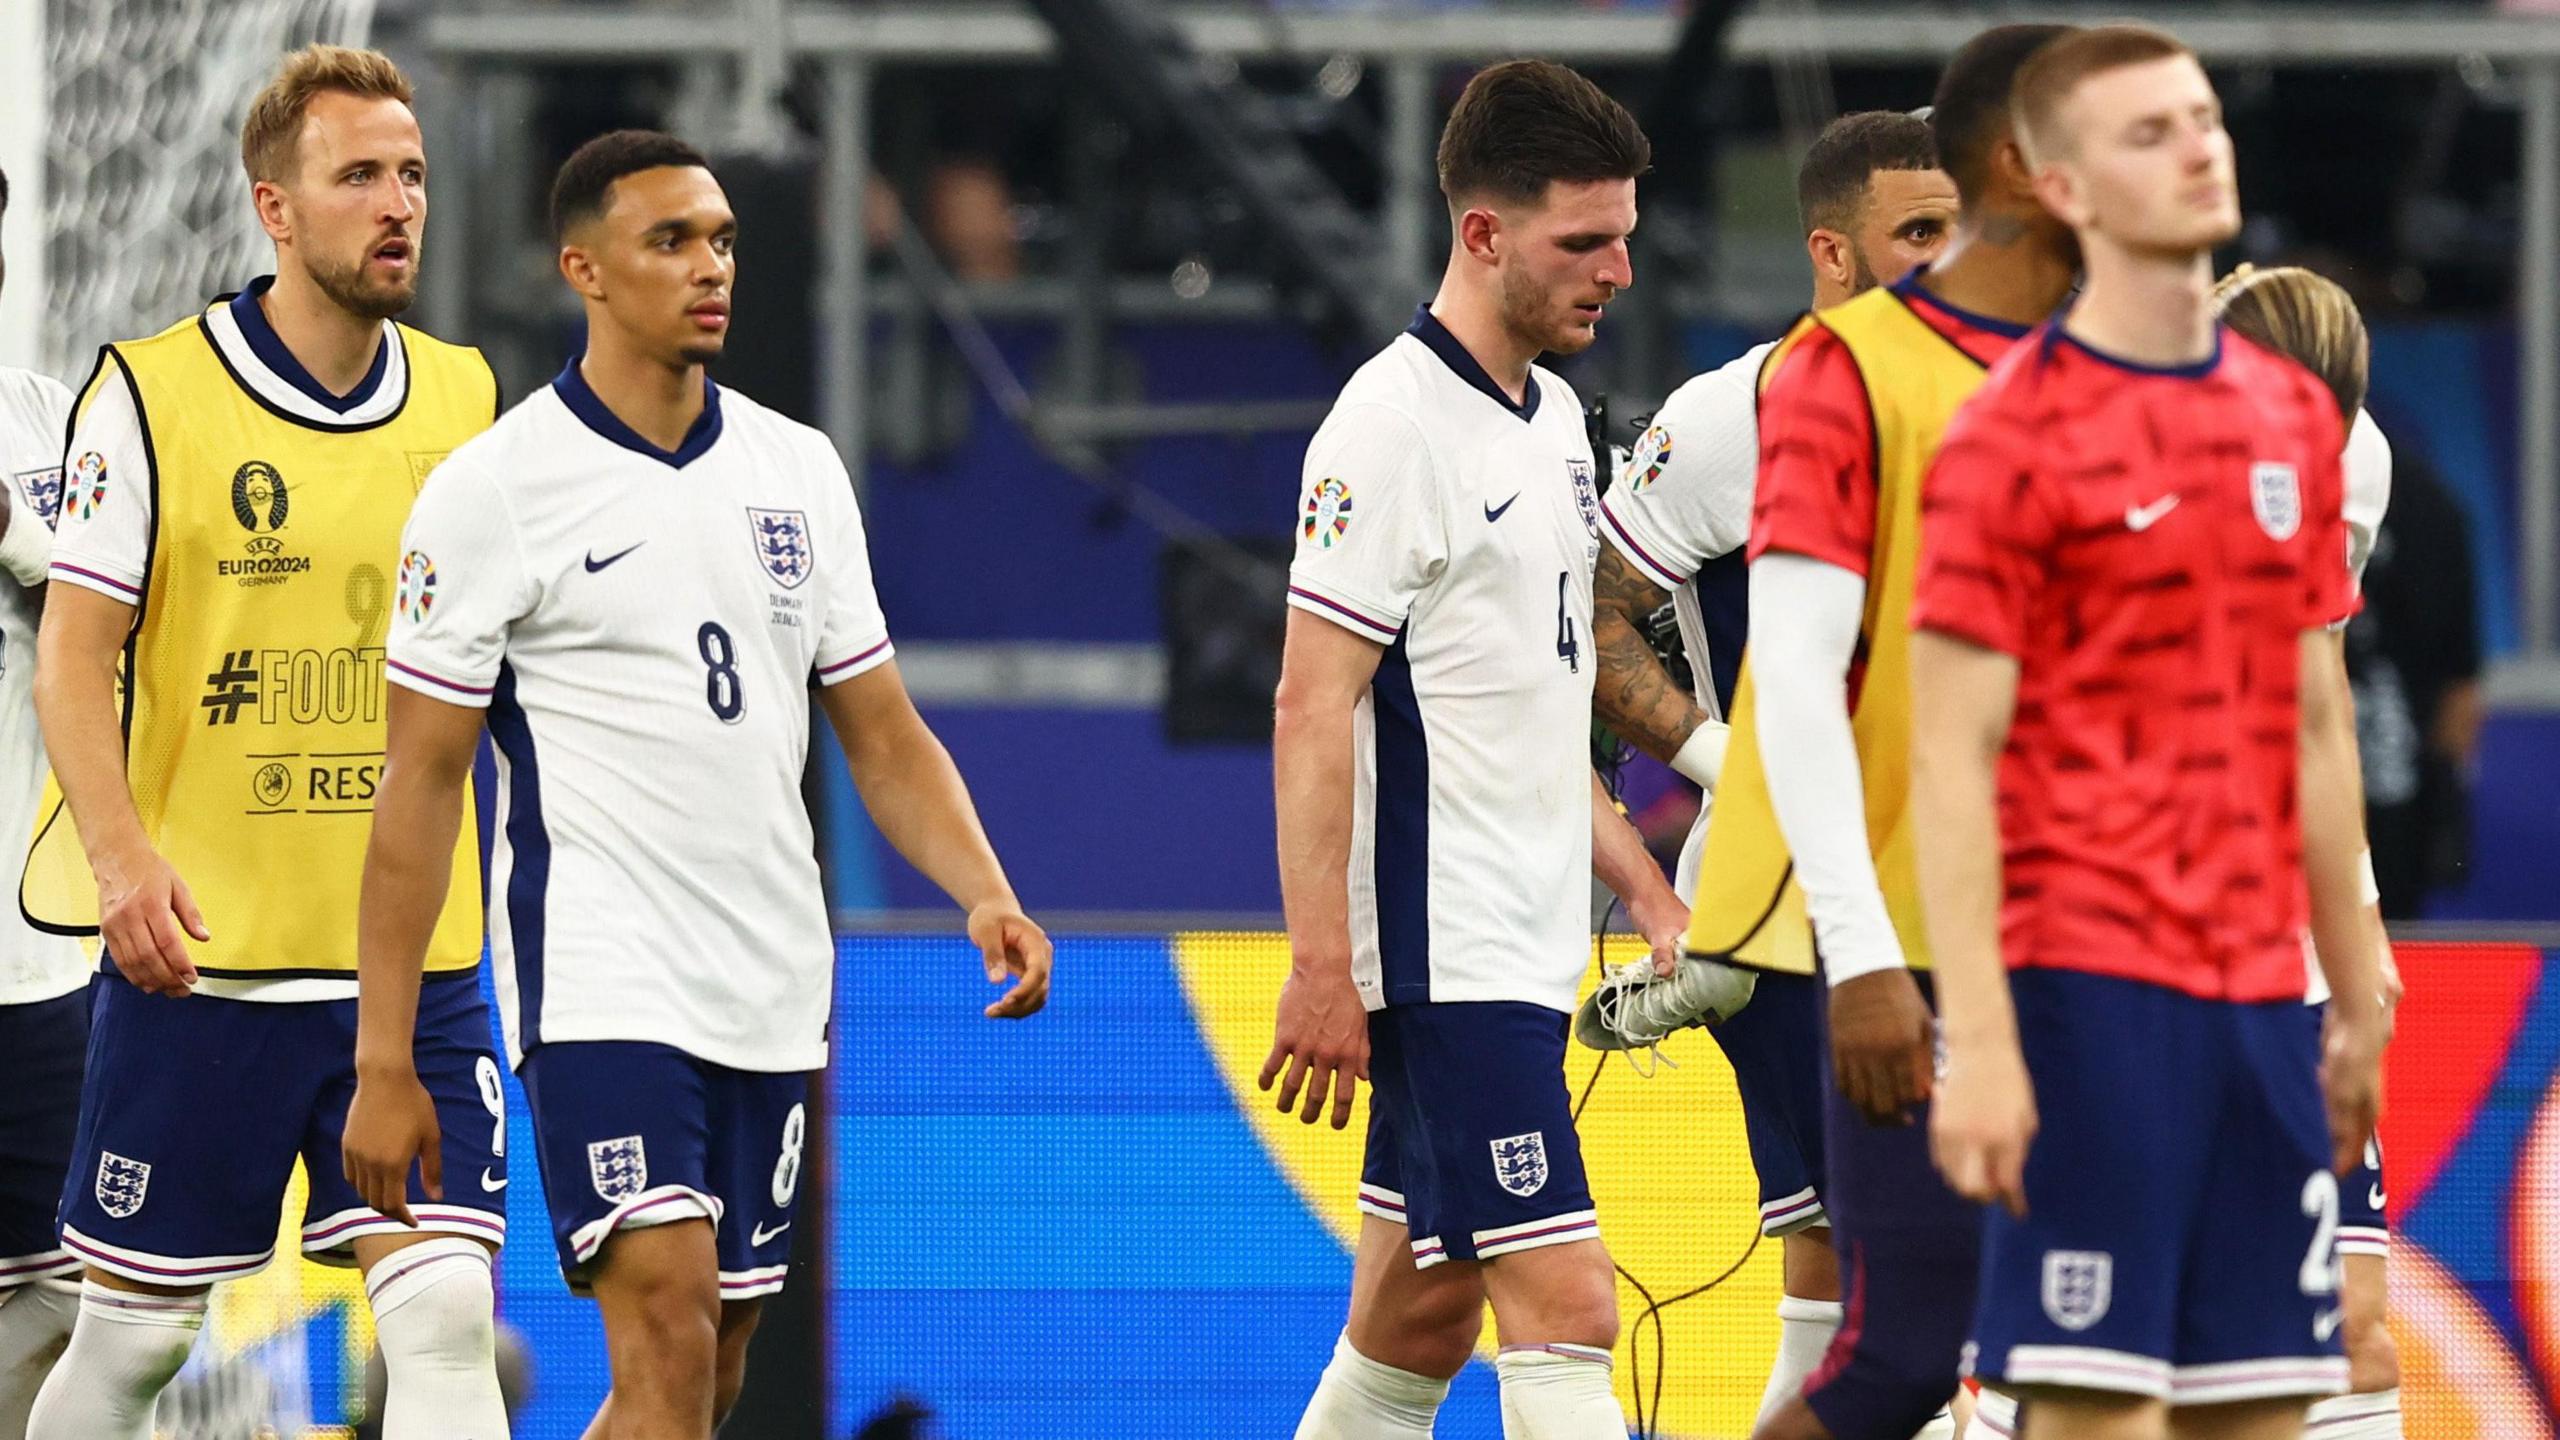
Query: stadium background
[1070, 282]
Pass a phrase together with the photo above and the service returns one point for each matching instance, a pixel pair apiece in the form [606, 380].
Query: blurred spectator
[2413, 656]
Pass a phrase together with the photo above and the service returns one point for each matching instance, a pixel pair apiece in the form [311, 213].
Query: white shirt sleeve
[853, 634]
[26, 547]
[102, 541]
[1371, 533]
[2367, 463]
[1804, 628]
[1684, 496]
[463, 584]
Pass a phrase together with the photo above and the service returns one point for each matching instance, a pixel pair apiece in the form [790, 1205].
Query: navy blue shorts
[194, 1111]
[39, 1120]
[631, 1134]
[1909, 1259]
[1471, 1141]
[2181, 1234]
[1775, 1047]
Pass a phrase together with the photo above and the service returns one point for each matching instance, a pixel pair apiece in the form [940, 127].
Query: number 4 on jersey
[1568, 644]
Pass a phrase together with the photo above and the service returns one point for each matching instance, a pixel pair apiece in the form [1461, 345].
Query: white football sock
[434, 1312]
[125, 1349]
[1360, 1399]
[2374, 1416]
[1805, 1328]
[1995, 1417]
[1558, 1392]
[35, 1323]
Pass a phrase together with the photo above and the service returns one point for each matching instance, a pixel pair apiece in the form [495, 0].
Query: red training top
[2150, 544]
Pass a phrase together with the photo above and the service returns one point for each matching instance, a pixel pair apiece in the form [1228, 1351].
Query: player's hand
[1664, 923]
[391, 1125]
[145, 914]
[1322, 1038]
[1982, 1124]
[1883, 1044]
[2392, 986]
[1015, 947]
[2351, 1081]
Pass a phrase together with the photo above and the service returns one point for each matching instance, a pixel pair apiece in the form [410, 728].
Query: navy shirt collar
[1426, 327]
[271, 351]
[2195, 370]
[592, 412]
[1909, 287]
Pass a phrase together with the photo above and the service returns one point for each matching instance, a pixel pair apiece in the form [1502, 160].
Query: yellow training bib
[1749, 909]
[253, 681]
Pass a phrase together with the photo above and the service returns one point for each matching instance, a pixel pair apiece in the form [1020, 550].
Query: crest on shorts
[782, 544]
[2078, 1287]
[1520, 1162]
[2275, 496]
[121, 1184]
[619, 1169]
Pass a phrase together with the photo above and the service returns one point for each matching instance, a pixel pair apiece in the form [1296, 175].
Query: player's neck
[1476, 321]
[336, 345]
[2146, 307]
[658, 401]
[2002, 267]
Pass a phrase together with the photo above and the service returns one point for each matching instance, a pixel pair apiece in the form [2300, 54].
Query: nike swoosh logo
[2374, 1198]
[761, 1234]
[594, 564]
[2138, 518]
[1496, 512]
[490, 1184]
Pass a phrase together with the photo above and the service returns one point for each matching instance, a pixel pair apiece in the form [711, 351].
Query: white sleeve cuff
[1651, 561]
[861, 662]
[130, 592]
[1701, 756]
[28, 543]
[437, 687]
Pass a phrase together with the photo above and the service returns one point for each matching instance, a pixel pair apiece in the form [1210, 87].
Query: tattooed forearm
[1633, 694]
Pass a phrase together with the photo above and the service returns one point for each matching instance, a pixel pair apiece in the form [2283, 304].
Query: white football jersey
[2367, 470]
[645, 628]
[1682, 501]
[34, 409]
[1459, 530]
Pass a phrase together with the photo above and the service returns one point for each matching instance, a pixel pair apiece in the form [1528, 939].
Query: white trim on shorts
[330, 1240]
[150, 1269]
[2086, 1367]
[54, 1264]
[2364, 1240]
[1788, 1214]
[649, 1207]
[748, 1284]
[1377, 1200]
[1429, 1251]
[1537, 1234]
[2297, 1376]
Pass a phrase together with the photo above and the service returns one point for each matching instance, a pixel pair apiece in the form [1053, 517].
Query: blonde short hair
[270, 139]
[2304, 315]
[2046, 81]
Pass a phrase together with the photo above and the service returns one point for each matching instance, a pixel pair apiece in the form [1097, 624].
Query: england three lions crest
[1586, 494]
[619, 1169]
[2275, 496]
[2079, 1285]
[1520, 1162]
[782, 545]
[122, 1184]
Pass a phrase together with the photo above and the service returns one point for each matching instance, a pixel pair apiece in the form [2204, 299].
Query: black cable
[1648, 1413]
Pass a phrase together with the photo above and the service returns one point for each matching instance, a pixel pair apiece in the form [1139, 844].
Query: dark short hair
[1970, 115]
[1524, 123]
[584, 187]
[1832, 182]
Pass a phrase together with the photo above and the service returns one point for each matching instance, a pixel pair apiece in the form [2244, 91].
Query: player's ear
[578, 267]
[1832, 260]
[1479, 227]
[2011, 171]
[273, 215]
[2058, 190]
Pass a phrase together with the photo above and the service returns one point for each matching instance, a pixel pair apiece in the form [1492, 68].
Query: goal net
[147, 214]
